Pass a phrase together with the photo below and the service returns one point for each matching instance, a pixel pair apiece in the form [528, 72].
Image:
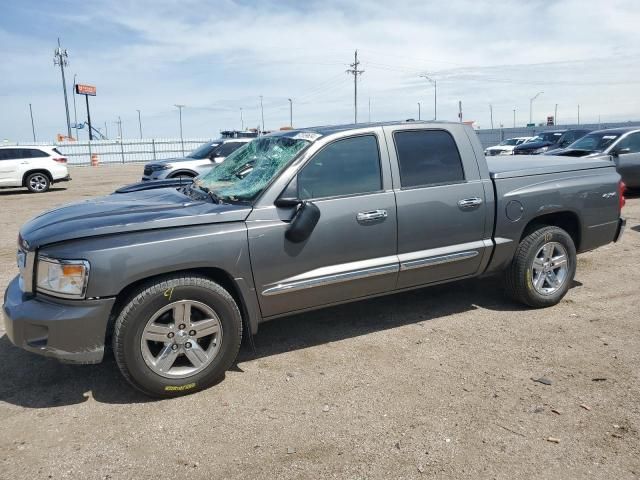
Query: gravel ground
[432, 383]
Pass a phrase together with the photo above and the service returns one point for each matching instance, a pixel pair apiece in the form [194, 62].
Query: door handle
[371, 216]
[470, 202]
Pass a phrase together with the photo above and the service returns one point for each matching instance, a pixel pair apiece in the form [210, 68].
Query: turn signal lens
[621, 189]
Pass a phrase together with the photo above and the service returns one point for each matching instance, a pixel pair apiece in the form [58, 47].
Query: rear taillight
[60, 159]
[621, 189]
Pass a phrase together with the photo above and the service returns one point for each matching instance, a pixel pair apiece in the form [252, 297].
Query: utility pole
[106, 132]
[531, 105]
[75, 112]
[241, 121]
[435, 95]
[119, 123]
[419, 111]
[460, 110]
[355, 72]
[514, 118]
[290, 113]
[60, 56]
[33, 128]
[578, 114]
[491, 112]
[555, 115]
[139, 123]
[180, 107]
[262, 113]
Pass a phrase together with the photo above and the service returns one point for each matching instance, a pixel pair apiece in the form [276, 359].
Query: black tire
[519, 278]
[37, 182]
[152, 297]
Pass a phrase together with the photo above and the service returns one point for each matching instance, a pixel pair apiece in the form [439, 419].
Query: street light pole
[262, 113]
[555, 115]
[33, 128]
[180, 107]
[139, 123]
[531, 105]
[419, 110]
[435, 95]
[290, 113]
[514, 118]
[75, 112]
[241, 121]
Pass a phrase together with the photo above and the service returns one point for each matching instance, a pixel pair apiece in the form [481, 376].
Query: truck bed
[511, 166]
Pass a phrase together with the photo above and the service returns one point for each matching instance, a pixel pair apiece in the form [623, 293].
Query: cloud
[218, 57]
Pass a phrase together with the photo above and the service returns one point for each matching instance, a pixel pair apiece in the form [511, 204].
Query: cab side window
[227, 148]
[427, 157]
[345, 167]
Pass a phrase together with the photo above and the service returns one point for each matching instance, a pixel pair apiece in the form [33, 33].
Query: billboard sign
[85, 89]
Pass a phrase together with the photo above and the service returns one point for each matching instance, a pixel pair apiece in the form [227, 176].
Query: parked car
[33, 167]
[201, 160]
[622, 144]
[545, 141]
[295, 221]
[506, 147]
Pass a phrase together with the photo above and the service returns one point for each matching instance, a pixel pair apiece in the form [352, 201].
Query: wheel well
[36, 170]
[568, 221]
[215, 274]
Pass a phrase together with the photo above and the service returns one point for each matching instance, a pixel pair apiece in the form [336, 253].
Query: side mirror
[303, 222]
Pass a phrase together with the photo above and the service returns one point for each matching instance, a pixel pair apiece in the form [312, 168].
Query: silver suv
[201, 160]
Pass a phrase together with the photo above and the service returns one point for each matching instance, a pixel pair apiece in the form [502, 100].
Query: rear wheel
[543, 267]
[177, 335]
[38, 182]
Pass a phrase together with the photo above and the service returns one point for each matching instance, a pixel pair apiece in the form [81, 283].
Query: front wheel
[177, 335]
[543, 267]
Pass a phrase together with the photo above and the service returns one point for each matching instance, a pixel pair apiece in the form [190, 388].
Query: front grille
[148, 170]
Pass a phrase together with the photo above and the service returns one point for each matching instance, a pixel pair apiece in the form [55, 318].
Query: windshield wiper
[214, 198]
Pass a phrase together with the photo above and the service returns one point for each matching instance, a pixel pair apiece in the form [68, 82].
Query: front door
[443, 231]
[351, 252]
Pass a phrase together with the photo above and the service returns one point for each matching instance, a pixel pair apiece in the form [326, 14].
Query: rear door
[351, 252]
[441, 204]
[10, 166]
[628, 163]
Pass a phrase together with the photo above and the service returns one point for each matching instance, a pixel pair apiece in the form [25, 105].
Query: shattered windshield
[246, 172]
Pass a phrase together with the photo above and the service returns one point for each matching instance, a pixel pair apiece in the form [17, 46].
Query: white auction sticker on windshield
[307, 136]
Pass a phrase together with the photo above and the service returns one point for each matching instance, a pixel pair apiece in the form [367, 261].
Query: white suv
[34, 167]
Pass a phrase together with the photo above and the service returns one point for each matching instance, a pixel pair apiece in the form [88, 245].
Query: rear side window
[228, 148]
[427, 157]
[35, 153]
[345, 167]
[632, 142]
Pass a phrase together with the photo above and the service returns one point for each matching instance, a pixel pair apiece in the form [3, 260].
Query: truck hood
[126, 212]
[533, 145]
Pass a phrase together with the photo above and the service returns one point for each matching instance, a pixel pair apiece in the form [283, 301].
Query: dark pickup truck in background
[549, 141]
[175, 275]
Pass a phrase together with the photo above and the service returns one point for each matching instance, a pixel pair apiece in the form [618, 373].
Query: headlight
[62, 278]
[541, 150]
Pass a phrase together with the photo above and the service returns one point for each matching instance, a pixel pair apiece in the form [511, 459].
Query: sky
[218, 57]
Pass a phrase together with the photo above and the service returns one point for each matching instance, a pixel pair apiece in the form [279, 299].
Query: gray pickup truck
[174, 275]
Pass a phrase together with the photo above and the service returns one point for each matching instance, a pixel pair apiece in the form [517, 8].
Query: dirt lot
[432, 383]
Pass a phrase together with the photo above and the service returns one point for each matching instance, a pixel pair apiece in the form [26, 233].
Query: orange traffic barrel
[94, 160]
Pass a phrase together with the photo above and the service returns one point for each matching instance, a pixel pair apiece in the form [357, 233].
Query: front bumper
[71, 331]
[156, 175]
[622, 223]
